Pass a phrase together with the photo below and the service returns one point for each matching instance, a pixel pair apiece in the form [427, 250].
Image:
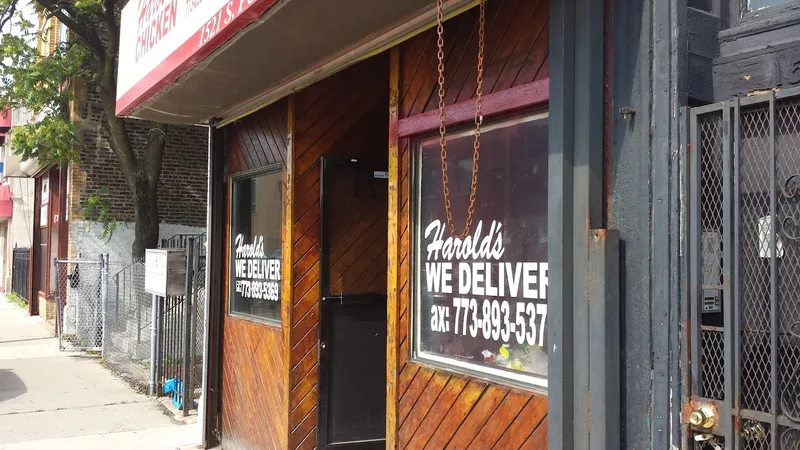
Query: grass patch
[17, 300]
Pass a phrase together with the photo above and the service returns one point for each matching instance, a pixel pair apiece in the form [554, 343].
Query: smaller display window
[255, 245]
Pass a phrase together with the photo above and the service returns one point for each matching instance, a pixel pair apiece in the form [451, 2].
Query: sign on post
[165, 272]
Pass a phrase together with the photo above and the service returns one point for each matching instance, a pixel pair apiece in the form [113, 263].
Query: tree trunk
[146, 218]
[145, 192]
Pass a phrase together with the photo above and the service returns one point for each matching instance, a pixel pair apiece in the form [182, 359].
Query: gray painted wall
[20, 226]
[651, 70]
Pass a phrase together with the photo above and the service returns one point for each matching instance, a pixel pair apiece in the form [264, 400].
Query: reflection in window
[255, 262]
[703, 5]
[480, 304]
[755, 5]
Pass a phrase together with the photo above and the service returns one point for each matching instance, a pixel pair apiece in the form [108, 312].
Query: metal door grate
[745, 269]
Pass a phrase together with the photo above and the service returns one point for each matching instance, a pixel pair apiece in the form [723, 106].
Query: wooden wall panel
[254, 366]
[515, 53]
[358, 240]
[258, 140]
[436, 408]
[253, 374]
[344, 116]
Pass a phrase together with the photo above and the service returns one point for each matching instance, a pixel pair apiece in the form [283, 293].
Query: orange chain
[476, 145]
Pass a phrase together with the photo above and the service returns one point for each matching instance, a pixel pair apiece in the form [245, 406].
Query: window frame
[742, 15]
[240, 176]
[535, 383]
[254, 197]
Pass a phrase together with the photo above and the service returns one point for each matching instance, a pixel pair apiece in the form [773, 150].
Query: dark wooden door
[352, 394]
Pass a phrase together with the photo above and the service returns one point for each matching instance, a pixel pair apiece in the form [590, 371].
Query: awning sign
[162, 39]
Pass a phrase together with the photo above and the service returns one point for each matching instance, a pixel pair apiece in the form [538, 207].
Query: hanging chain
[476, 145]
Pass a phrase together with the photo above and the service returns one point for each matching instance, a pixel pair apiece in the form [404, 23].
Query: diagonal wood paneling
[252, 393]
[258, 140]
[343, 116]
[434, 408]
[515, 53]
[254, 368]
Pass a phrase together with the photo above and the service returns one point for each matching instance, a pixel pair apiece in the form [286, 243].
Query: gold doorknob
[752, 431]
[703, 417]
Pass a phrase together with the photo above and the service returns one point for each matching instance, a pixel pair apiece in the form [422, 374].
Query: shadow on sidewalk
[11, 385]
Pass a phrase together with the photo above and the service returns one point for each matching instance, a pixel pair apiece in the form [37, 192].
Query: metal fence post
[103, 302]
[198, 247]
[161, 341]
[187, 321]
[153, 346]
[59, 312]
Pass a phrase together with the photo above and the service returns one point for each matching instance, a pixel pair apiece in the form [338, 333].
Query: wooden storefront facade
[372, 111]
[326, 187]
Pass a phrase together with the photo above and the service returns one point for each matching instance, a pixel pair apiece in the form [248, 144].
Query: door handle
[752, 431]
[703, 417]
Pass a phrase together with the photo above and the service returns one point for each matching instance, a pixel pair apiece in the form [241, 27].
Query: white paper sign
[155, 272]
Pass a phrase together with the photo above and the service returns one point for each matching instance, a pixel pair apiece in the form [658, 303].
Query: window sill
[468, 374]
[272, 323]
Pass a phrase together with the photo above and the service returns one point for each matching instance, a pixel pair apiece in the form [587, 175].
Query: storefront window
[480, 305]
[756, 5]
[256, 246]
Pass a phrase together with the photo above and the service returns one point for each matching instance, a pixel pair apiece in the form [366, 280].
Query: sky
[26, 9]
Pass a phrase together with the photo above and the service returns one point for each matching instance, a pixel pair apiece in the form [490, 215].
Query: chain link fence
[107, 311]
[80, 296]
[200, 315]
[129, 320]
[129, 349]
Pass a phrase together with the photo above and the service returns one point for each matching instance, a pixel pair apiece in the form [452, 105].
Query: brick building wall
[182, 188]
[181, 191]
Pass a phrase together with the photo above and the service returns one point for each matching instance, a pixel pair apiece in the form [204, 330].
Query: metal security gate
[20, 272]
[180, 332]
[744, 237]
[81, 294]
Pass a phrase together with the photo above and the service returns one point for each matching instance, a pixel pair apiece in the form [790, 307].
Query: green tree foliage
[42, 84]
[37, 84]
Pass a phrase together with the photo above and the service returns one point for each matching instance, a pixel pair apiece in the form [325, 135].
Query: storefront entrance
[352, 374]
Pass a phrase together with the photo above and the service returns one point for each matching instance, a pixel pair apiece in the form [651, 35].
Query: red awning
[5, 121]
[6, 204]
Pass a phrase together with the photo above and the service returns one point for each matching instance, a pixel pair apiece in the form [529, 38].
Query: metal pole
[737, 309]
[187, 323]
[153, 347]
[104, 300]
[77, 300]
[160, 342]
[59, 314]
[116, 306]
[773, 274]
[727, 241]
[197, 246]
[695, 272]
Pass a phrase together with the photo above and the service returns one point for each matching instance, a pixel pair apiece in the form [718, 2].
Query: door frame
[327, 162]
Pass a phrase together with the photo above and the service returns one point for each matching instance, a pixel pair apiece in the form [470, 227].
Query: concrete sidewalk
[54, 401]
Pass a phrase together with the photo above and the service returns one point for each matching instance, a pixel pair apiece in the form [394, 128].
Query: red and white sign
[161, 39]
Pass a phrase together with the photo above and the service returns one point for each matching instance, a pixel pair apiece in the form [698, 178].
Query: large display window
[255, 246]
[480, 304]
